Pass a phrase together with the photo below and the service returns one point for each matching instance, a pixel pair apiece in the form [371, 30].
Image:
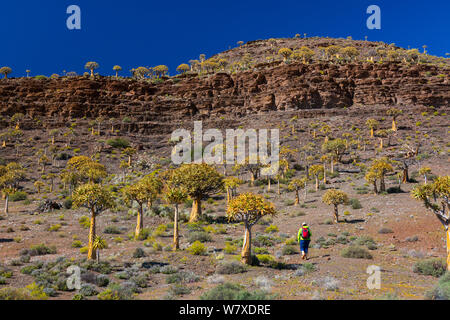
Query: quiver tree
[117, 69]
[335, 197]
[53, 133]
[253, 166]
[136, 192]
[371, 177]
[425, 171]
[183, 68]
[381, 134]
[198, 181]
[144, 191]
[333, 51]
[394, 113]
[98, 245]
[324, 159]
[129, 152]
[39, 185]
[315, 170]
[175, 196]
[285, 53]
[404, 165]
[96, 199]
[91, 65]
[160, 70]
[16, 119]
[336, 149]
[372, 124]
[350, 53]
[304, 53]
[82, 169]
[5, 71]
[231, 184]
[436, 197]
[381, 167]
[248, 208]
[295, 185]
[10, 176]
[153, 186]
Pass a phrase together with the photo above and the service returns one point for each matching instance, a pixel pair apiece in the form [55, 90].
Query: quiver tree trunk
[196, 211]
[252, 178]
[176, 237]
[92, 234]
[375, 189]
[382, 184]
[246, 256]
[297, 198]
[406, 176]
[139, 222]
[317, 183]
[6, 204]
[336, 214]
[447, 231]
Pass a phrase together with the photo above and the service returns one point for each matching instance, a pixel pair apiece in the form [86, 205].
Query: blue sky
[136, 33]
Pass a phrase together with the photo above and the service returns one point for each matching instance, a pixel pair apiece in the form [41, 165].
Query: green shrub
[144, 234]
[68, 203]
[271, 229]
[84, 250]
[355, 204]
[442, 290]
[197, 248]
[40, 250]
[230, 267]
[77, 244]
[435, 267]
[18, 196]
[112, 230]
[356, 253]
[365, 241]
[179, 290]
[289, 250]
[14, 294]
[138, 253]
[199, 236]
[259, 250]
[84, 222]
[54, 228]
[118, 143]
[229, 248]
[229, 291]
[108, 294]
[265, 258]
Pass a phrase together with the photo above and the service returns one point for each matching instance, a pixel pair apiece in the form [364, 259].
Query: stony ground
[413, 233]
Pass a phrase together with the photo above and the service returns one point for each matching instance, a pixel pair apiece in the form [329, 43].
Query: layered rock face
[278, 87]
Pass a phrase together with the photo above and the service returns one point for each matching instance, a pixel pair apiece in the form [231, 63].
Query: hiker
[304, 238]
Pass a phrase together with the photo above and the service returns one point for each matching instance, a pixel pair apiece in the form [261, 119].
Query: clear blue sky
[135, 33]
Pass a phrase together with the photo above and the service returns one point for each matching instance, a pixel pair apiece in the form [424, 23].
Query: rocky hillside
[265, 87]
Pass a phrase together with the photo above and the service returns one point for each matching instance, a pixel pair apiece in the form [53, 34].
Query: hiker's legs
[302, 248]
[305, 248]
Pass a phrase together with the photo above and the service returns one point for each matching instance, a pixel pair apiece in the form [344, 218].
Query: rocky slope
[277, 87]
